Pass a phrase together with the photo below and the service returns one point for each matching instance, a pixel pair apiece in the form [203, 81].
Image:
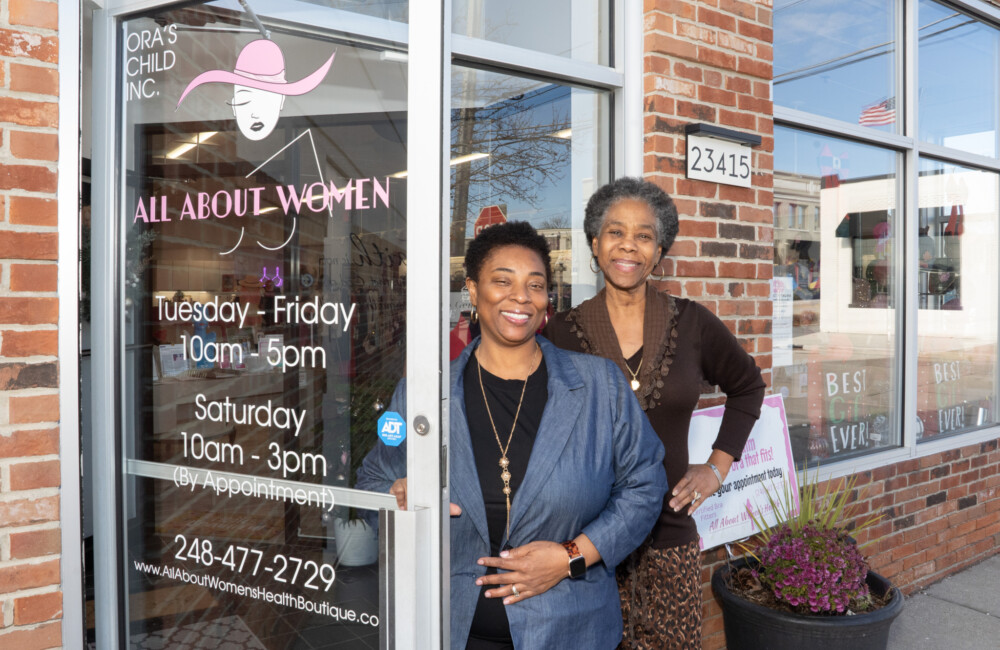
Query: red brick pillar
[710, 62]
[30, 595]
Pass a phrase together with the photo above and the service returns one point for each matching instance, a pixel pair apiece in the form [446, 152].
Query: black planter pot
[753, 627]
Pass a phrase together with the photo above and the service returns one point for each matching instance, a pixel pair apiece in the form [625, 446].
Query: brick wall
[711, 62]
[30, 596]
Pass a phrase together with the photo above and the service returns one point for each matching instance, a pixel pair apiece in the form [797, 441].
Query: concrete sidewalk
[962, 612]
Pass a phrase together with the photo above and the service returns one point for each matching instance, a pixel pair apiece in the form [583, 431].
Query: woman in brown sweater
[668, 348]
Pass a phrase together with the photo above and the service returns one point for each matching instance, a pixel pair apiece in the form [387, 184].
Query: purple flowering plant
[808, 560]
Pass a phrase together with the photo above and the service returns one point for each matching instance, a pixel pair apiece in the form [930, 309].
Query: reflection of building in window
[796, 239]
[940, 254]
[561, 243]
[836, 381]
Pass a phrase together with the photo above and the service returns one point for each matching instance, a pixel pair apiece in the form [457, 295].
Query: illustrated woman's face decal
[259, 86]
[256, 111]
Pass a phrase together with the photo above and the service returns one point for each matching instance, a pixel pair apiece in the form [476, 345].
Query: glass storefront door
[255, 236]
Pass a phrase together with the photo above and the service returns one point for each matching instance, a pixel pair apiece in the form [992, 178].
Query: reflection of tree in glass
[559, 222]
[506, 144]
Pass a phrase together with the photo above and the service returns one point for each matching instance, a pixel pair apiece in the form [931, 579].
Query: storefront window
[957, 317]
[576, 30]
[837, 59]
[834, 293]
[524, 150]
[957, 99]
[264, 291]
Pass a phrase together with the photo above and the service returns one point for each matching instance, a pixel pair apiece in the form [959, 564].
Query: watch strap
[577, 563]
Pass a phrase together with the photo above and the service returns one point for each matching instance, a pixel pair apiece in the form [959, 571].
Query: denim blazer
[596, 467]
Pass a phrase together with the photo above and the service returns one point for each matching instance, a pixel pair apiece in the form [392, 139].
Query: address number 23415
[718, 161]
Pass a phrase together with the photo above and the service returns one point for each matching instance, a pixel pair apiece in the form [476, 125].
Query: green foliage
[825, 510]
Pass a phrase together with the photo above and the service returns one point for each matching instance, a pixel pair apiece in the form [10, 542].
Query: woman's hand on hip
[694, 489]
[530, 570]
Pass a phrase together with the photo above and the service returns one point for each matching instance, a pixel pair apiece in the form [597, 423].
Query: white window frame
[68, 224]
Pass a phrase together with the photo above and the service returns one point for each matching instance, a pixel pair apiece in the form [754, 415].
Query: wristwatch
[577, 563]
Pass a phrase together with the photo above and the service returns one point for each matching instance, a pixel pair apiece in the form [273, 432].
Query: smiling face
[511, 295]
[626, 247]
[256, 111]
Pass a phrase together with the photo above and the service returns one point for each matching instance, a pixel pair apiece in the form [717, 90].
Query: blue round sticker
[391, 428]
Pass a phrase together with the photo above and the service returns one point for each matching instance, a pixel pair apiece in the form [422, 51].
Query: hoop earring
[598, 269]
[474, 316]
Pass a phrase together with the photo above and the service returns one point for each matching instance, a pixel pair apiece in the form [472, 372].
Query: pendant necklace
[504, 461]
[635, 375]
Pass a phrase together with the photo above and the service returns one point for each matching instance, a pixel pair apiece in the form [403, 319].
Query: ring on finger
[697, 495]
[513, 590]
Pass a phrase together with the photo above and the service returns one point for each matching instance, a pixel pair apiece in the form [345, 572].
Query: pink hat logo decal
[259, 86]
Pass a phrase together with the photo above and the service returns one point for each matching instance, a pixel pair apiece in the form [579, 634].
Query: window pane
[524, 150]
[834, 297]
[958, 68]
[957, 322]
[837, 58]
[576, 30]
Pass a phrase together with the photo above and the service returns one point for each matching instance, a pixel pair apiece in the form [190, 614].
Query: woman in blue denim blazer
[586, 474]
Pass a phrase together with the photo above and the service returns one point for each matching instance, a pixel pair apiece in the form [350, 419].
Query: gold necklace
[635, 375]
[504, 461]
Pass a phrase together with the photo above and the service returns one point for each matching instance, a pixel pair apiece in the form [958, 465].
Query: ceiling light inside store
[565, 134]
[393, 55]
[469, 157]
[199, 138]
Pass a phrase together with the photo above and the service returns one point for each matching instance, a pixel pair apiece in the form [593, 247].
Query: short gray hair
[659, 203]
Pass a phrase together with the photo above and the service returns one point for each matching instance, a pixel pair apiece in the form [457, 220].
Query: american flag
[878, 114]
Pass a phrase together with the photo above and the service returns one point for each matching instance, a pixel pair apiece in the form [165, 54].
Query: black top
[706, 352]
[490, 628]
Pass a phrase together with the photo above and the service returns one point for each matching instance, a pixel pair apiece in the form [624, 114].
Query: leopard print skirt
[660, 591]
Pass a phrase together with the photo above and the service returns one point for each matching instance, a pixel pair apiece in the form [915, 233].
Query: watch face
[577, 566]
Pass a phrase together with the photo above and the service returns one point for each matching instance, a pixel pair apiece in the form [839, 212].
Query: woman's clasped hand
[533, 569]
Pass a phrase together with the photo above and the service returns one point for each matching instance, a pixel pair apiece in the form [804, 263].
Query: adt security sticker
[391, 428]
